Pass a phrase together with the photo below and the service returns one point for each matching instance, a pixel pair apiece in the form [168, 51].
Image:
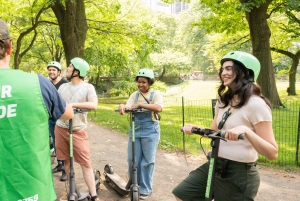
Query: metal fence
[286, 126]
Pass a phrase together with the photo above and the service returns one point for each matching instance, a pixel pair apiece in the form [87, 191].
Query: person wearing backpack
[147, 129]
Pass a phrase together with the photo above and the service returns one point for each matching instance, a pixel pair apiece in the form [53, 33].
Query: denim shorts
[239, 183]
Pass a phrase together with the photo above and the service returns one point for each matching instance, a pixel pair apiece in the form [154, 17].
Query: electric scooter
[215, 136]
[83, 193]
[131, 187]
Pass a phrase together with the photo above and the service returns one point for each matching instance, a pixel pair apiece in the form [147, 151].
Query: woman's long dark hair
[244, 87]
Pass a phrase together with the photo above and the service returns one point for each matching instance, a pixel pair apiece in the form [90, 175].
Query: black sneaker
[58, 168]
[63, 176]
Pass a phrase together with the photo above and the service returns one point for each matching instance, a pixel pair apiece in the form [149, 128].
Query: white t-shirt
[77, 93]
[253, 112]
[157, 99]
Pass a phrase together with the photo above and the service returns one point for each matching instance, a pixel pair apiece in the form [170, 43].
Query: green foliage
[170, 63]
[124, 36]
[122, 88]
[249, 5]
[119, 43]
[283, 72]
[158, 85]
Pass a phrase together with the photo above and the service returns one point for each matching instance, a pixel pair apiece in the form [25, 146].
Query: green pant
[240, 183]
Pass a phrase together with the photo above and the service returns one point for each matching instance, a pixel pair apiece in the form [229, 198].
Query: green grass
[199, 112]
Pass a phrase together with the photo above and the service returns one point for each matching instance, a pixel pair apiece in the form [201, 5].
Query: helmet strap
[72, 75]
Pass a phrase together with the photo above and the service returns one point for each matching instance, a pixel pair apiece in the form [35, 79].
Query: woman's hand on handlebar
[234, 133]
[187, 128]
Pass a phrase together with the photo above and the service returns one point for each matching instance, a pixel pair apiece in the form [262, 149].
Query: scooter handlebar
[128, 110]
[80, 110]
[211, 133]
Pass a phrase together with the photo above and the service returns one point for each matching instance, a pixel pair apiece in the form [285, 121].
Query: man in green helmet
[25, 107]
[79, 94]
[54, 71]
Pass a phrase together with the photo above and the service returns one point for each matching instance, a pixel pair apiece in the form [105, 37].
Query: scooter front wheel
[108, 169]
[134, 193]
[135, 196]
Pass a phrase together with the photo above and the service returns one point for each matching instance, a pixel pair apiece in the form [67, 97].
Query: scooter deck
[117, 183]
[85, 193]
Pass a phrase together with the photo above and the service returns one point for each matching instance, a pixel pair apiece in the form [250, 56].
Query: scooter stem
[72, 195]
[215, 143]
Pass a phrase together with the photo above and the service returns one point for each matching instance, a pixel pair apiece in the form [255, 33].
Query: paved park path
[110, 147]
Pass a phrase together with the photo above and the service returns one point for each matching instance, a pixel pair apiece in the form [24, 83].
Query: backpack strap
[136, 97]
[151, 96]
[138, 93]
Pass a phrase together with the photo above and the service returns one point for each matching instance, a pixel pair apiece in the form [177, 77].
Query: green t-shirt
[25, 164]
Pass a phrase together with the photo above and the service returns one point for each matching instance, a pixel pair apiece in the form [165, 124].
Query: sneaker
[143, 197]
[64, 198]
[52, 153]
[96, 199]
[63, 176]
[58, 168]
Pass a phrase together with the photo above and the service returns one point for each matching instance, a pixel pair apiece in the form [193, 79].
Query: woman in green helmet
[147, 129]
[241, 108]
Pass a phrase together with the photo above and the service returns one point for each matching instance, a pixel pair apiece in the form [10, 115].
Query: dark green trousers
[234, 181]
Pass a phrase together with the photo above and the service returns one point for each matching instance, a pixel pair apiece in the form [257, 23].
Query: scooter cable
[200, 142]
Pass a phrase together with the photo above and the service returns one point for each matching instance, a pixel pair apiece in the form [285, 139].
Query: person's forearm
[152, 107]
[85, 105]
[263, 147]
[68, 114]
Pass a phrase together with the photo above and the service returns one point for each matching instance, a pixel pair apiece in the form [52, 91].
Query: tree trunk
[73, 26]
[260, 38]
[291, 90]
[162, 74]
[20, 52]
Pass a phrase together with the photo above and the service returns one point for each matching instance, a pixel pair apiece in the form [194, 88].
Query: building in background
[175, 8]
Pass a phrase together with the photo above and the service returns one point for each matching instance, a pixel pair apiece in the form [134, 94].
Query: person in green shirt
[27, 101]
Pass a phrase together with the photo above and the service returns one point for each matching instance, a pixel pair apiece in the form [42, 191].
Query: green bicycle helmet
[145, 72]
[54, 64]
[248, 60]
[81, 65]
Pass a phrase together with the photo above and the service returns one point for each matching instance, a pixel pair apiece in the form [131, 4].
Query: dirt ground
[171, 168]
